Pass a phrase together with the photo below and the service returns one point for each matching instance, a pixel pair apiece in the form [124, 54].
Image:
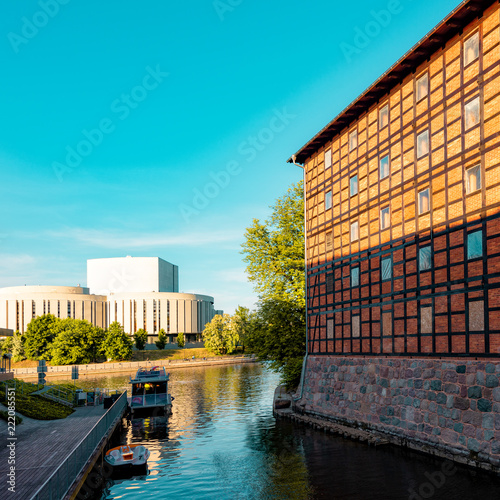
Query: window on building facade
[328, 200]
[329, 283]
[385, 218]
[355, 231]
[472, 115]
[424, 259]
[33, 309]
[384, 167]
[423, 144]
[386, 268]
[476, 316]
[425, 319]
[423, 201]
[471, 49]
[353, 140]
[329, 241]
[328, 158]
[355, 276]
[69, 309]
[329, 329]
[384, 116]
[475, 245]
[353, 185]
[356, 326]
[473, 179]
[422, 87]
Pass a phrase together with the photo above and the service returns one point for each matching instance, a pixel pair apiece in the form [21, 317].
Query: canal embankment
[130, 366]
[47, 458]
[444, 407]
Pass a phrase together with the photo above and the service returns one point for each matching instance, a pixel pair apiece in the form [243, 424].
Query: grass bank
[34, 406]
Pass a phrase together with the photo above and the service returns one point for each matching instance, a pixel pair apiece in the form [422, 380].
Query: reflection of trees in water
[281, 472]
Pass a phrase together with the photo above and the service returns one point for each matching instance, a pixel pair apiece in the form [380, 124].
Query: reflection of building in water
[138, 292]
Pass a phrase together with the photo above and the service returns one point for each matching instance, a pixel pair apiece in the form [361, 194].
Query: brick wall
[445, 407]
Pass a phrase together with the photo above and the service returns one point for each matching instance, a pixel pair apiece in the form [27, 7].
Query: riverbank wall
[129, 366]
[444, 407]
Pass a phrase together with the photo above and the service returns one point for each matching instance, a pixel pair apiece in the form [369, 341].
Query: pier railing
[58, 484]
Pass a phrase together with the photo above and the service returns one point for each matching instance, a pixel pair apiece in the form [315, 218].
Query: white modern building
[138, 292]
[132, 274]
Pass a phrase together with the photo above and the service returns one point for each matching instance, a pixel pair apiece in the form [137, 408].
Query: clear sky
[162, 128]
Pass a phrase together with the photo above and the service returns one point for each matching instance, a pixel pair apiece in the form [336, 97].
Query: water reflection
[221, 442]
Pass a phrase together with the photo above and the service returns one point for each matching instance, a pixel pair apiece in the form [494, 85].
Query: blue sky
[162, 128]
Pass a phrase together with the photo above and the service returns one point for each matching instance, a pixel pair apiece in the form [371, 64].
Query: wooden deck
[41, 446]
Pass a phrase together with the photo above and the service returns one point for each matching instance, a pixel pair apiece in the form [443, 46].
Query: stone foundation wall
[445, 407]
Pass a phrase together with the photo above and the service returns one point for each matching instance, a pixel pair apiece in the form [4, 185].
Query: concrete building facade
[132, 274]
[139, 293]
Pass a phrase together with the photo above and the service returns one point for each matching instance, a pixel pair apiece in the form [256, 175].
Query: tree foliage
[221, 335]
[6, 346]
[274, 250]
[39, 336]
[18, 347]
[117, 345]
[162, 339]
[76, 342]
[141, 338]
[274, 253]
[180, 340]
[242, 320]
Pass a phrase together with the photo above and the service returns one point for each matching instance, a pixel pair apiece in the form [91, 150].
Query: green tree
[220, 335]
[162, 339]
[141, 339]
[18, 347]
[274, 254]
[274, 250]
[39, 336]
[7, 346]
[77, 342]
[278, 335]
[242, 320]
[117, 345]
[180, 340]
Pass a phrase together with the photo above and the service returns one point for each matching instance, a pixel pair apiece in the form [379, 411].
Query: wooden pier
[43, 445]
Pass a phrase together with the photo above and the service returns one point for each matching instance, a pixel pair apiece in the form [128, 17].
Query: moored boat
[150, 391]
[127, 455]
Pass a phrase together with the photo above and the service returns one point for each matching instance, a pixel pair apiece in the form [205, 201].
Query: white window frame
[382, 160]
[421, 154]
[420, 193]
[353, 138]
[383, 110]
[424, 79]
[383, 211]
[351, 191]
[470, 110]
[328, 158]
[354, 231]
[468, 172]
[328, 200]
[473, 42]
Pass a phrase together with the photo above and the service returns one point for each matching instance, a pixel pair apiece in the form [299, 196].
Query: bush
[180, 340]
[141, 339]
[162, 340]
[4, 414]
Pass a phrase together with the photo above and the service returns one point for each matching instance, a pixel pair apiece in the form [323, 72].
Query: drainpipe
[304, 363]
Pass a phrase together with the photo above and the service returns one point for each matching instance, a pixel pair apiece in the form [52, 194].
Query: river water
[222, 442]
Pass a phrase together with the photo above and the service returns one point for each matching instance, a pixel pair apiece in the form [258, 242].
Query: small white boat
[127, 455]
